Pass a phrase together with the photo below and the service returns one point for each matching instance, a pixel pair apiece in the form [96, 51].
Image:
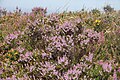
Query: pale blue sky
[58, 5]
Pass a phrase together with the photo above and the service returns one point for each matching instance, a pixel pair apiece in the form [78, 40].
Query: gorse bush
[59, 46]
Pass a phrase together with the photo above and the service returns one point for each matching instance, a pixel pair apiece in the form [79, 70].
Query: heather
[82, 45]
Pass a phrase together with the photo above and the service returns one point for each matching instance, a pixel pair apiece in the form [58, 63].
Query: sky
[58, 5]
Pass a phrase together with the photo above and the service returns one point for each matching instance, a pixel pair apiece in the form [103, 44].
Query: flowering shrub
[59, 46]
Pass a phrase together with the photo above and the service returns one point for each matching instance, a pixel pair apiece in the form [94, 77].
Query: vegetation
[60, 46]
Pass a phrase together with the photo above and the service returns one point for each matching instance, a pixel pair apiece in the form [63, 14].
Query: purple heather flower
[54, 17]
[58, 42]
[1, 71]
[114, 75]
[63, 59]
[69, 40]
[20, 50]
[67, 26]
[28, 54]
[10, 37]
[106, 66]
[44, 54]
[118, 70]
[91, 33]
[8, 78]
[39, 10]
[86, 41]
[73, 73]
[118, 31]
[48, 67]
[78, 20]
[11, 78]
[101, 37]
[90, 57]
[32, 14]
[25, 56]
[31, 68]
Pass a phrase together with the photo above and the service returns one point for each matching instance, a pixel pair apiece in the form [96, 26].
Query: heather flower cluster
[63, 60]
[11, 37]
[59, 46]
[73, 73]
[106, 66]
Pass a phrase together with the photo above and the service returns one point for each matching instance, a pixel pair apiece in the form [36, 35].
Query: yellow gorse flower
[97, 21]
[9, 55]
[16, 53]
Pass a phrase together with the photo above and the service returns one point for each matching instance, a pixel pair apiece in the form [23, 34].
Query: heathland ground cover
[78, 45]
